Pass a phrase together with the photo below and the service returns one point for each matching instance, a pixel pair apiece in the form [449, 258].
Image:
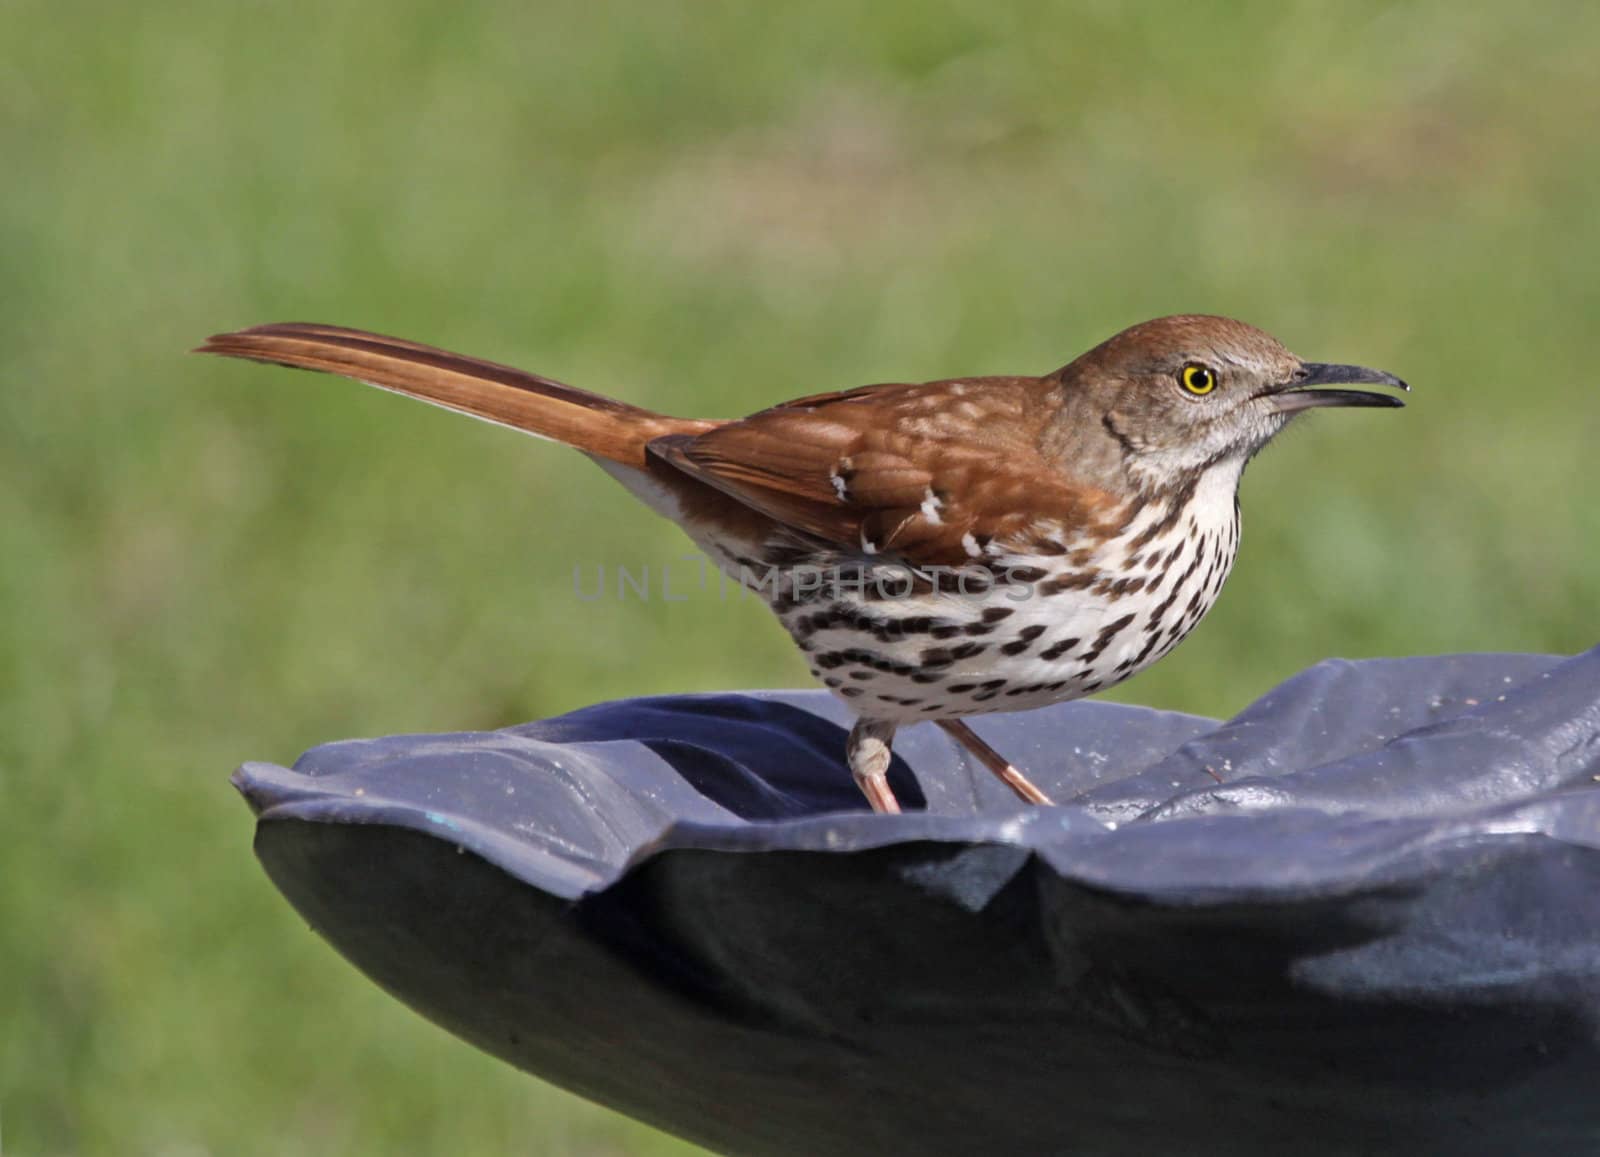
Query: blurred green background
[704, 208]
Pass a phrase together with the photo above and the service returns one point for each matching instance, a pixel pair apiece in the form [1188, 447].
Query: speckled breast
[1022, 631]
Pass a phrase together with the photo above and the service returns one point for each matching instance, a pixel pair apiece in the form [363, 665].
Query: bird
[937, 550]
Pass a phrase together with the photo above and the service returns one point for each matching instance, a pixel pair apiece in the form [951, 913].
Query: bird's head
[1180, 395]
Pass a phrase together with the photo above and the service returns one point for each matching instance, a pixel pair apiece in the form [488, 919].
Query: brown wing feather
[926, 473]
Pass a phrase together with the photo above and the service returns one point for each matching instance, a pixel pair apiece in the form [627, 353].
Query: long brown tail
[595, 424]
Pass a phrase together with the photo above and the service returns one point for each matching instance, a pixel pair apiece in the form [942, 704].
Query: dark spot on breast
[989, 690]
[1120, 588]
[855, 656]
[1168, 518]
[937, 657]
[1075, 581]
[1056, 650]
[1024, 639]
[1160, 612]
[1111, 631]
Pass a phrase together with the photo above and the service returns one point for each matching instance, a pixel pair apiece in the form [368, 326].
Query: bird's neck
[1201, 503]
[1215, 497]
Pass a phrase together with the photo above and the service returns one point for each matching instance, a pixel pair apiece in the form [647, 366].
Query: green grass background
[704, 207]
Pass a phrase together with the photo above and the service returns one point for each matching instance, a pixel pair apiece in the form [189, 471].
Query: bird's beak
[1306, 389]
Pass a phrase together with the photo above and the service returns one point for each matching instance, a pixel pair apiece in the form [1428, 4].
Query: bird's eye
[1198, 380]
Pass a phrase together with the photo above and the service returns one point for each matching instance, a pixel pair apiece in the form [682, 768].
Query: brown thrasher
[940, 549]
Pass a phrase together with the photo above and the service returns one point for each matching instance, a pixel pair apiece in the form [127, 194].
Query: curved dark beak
[1307, 389]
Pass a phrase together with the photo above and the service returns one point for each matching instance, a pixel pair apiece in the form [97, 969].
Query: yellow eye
[1198, 380]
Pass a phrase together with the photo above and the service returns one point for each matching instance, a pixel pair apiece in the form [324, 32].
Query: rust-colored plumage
[1094, 508]
[500, 394]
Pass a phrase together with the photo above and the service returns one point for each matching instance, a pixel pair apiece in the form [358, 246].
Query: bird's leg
[993, 760]
[868, 752]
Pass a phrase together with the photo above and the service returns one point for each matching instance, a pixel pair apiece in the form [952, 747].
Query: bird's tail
[599, 426]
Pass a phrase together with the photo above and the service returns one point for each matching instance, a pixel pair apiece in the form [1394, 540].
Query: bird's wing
[936, 474]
